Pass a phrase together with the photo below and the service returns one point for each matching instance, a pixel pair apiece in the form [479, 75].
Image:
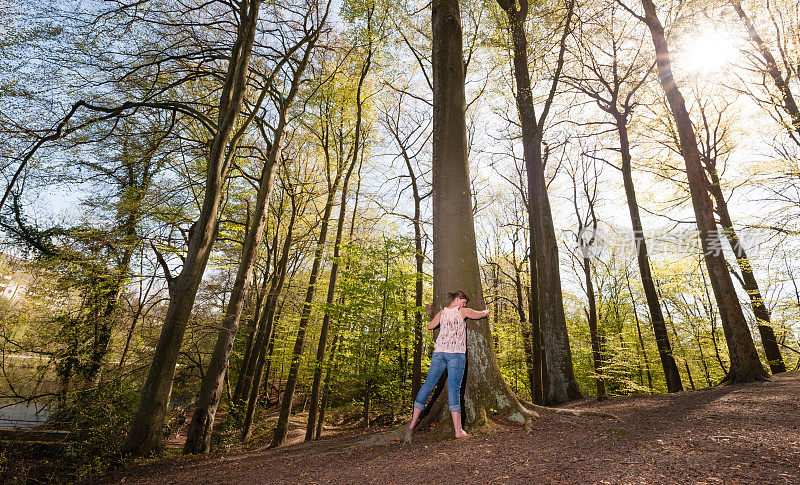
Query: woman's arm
[435, 322]
[473, 314]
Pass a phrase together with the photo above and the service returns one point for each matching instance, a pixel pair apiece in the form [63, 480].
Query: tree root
[405, 436]
[402, 434]
[570, 412]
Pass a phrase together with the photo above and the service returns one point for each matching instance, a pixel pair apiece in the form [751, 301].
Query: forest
[225, 224]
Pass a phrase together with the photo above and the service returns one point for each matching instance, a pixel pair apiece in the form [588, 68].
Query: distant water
[22, 415]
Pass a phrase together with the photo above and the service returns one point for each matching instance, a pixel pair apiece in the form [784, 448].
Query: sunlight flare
[709, 51]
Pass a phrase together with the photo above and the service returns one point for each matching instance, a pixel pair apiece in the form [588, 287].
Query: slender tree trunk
[332, 358]
[249, 355]
[145, 434]
[282, 425]
[323, 338]
[712, 318]
[749, 282]
[671, 374]
[326, 319]
[326, 387]
[419, 259]
[561, 383]
[527, 337]
[591, 315]
[266, 324]
[688, 372]
[247, 371]
[745, 365]
[641, 340]
[702, 357]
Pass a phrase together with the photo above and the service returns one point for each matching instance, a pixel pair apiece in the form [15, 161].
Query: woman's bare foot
[462, 434]
[415, 418]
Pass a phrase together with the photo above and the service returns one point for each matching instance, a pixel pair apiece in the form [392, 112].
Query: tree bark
[560, 377]
[145, 434]
[749, 282]
[455, 257]
[671, 374]
[198, 439]
[745, 365]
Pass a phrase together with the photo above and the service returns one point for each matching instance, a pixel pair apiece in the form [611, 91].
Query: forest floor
[726, 434]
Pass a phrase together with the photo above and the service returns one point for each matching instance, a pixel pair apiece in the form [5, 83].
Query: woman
[449, 353]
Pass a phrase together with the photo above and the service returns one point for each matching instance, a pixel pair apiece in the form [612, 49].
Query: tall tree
[613, 71]
[198, 439]
[745, 364]
[586, 236]
[561, 385]
[356, 152]
[336, 166]
[713, 144]
[417, 134]
[254, 373]
[145, 434]
[455, 257]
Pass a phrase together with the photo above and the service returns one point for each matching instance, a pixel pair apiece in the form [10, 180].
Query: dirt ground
[729, 434]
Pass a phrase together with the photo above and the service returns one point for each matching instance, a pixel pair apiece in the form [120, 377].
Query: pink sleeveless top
[452, 333]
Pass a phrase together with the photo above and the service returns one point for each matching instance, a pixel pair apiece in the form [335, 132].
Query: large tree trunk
[455, 257]
[671, 374]
[145, 435]
[749, 282]
[538, 361]
[560, 377]
[745, 365]
[198, 439]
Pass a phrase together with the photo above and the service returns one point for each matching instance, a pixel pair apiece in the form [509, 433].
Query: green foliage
[96, 420]
[375, 317]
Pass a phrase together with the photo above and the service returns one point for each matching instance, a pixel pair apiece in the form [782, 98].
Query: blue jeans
[454, 363]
